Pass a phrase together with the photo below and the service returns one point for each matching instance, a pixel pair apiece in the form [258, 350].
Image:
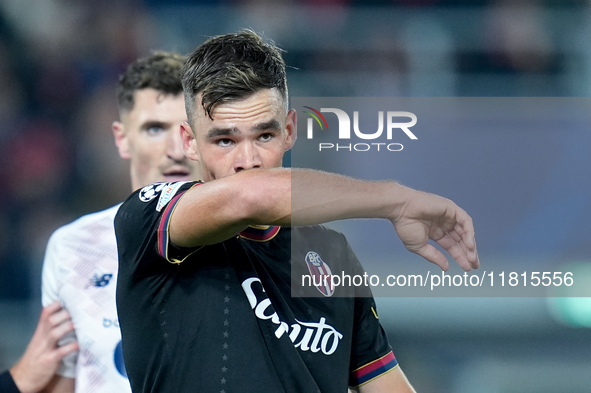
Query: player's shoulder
[160, 193]
[94, 231]
[102, 219]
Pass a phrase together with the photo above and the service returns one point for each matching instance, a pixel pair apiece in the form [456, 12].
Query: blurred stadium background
[59, 60]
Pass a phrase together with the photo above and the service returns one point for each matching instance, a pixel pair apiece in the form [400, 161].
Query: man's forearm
[279, 197]
[319, 197]
[219, 209]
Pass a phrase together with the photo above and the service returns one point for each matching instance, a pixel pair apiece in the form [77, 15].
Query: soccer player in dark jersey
[204, 295]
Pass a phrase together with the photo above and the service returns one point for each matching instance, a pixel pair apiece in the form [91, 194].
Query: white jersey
[80, 271]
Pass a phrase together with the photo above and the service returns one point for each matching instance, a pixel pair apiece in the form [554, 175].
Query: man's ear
[189, 143]
[292, 129]
[121, 139]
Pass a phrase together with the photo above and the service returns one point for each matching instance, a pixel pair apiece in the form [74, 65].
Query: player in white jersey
[79, 270]
[80, 266]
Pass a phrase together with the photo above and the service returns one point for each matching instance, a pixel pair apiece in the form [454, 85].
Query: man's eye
[154, 130]
[224, 142]
[266, 137]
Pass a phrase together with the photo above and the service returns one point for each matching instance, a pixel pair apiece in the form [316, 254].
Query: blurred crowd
[58, 64]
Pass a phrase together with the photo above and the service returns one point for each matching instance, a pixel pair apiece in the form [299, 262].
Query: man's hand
[40, 361]
[427, 216]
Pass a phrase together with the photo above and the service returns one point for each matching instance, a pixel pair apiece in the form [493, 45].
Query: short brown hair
[231, 67]
[160, 71]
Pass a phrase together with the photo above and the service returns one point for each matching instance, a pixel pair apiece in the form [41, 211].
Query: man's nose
[247, 157]
[174, 148]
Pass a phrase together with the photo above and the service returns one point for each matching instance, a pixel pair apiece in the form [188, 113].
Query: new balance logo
[101, 280]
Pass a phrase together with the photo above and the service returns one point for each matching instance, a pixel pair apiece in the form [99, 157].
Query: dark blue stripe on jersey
[373, 370]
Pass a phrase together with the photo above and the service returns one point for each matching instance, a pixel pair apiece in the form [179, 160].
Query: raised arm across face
[239, 151]
[265, 195]
[238, 130]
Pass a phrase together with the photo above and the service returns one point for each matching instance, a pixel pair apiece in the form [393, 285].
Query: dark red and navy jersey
[235, 316]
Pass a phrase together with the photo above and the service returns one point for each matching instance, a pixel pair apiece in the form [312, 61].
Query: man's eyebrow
[216, 132]
[154, 123]
[269, 125]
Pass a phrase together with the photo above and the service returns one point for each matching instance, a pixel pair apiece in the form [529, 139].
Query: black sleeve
[141, 225]
[7, 384]
[371, 353]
